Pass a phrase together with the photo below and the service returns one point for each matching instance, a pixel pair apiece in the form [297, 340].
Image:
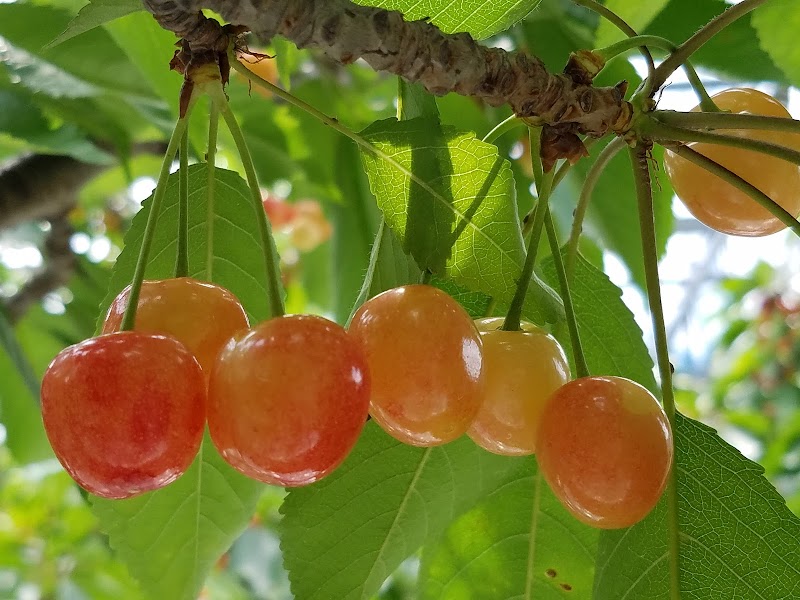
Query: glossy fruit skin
[288, 399]
[605, 447]
[203, 316]
[426, 360]
[523, 369]
[718, 204]
[124, 412]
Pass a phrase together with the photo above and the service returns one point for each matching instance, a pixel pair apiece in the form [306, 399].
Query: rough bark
[416, 50]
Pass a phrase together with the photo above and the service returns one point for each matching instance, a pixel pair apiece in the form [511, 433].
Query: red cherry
[605, 448]
[288, 399]
[124, 412]
[426, 362]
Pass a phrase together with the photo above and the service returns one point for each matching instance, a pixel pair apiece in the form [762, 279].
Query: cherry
[124, 412]
[605, 448]
[203, 316]
[523, 369]
[425, 358]
[288, 399]
[717, 203]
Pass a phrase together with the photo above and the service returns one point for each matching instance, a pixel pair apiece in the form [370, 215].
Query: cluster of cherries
[286, 400]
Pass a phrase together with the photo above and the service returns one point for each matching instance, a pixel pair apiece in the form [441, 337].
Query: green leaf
[636, 13]
[737, 537]
[343, 536]
[238, 263]
[481, 19]
[94, 14]
[777, 24]
[611, 339]
[94, 58]
[734, 52]
[450, 199]
[519, 542]
[170, 538]
[21, 119]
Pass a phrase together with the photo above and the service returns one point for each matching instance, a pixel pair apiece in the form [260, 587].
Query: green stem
[620, 24]
[719, 120]
[641, 174]
[740, 184]
[182, 249]
[581, 368]
[690, 46]
[514, 315]
[609, 52]
[592, 177]
[502, 128]
[661, 133]
[211, 181]
[129, 318]
[274, 287]
[559, 177]
[535, 143]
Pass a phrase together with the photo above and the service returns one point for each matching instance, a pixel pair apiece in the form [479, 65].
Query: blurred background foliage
[90, 115]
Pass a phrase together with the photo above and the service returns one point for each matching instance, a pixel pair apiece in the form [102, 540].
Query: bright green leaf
[734, 52]
[170, 538]
[94, 14]
[519, 542]
[636, 13]
[94, 58]
[450, 199]
[737, 537]
[777, 24]
[481, 19]
[343, 536]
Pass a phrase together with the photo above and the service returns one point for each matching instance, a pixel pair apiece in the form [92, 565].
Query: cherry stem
[732, 178]
[182, 250]
[620, 23]
[561, 172]
[592, 177]
[581, 368]
[644, 195]
[513, 317]
[274, 286]
[665, 133]
[655, 41]
[690, 46]
[721, 120]
[129, 317]
[211, 160]
[502, 128]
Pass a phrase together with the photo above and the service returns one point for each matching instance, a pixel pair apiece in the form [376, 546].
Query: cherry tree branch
[416, 50]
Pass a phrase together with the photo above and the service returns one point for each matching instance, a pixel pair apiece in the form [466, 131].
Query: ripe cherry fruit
[523, 369]
[287, 400]
[717, 203]
[605, 448]
[426, 362]
[203, 316]
[124, 412]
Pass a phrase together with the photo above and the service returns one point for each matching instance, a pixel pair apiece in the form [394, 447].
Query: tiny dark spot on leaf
[551, 573]
[566, 587]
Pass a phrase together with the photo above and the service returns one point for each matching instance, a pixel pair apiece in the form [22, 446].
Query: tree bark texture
[415, 50]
